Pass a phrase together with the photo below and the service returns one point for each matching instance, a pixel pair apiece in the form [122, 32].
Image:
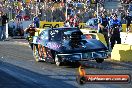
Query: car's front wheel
[36, 53]
[98, 60]
[57, 60]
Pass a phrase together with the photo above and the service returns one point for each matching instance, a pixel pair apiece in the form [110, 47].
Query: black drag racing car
[67, 44]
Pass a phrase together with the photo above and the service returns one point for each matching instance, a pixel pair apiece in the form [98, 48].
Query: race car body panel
[65, 44]
[70, 43]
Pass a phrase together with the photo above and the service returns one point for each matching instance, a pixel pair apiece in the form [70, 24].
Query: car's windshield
[71, 34]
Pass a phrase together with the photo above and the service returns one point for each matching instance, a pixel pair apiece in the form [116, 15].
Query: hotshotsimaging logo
[83, 78]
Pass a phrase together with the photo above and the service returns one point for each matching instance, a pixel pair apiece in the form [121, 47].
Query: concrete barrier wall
[124, 27]
[122, 52]
[126, 38]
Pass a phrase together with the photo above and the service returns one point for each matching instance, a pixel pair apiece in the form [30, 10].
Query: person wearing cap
[36, 21]
[128, 19]
[104, 27]
[115, 31]
[4, 21]
[31, 31]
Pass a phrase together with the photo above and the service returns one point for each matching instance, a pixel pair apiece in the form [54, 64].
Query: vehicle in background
[67, 44]
[92, 23]
[93, 34]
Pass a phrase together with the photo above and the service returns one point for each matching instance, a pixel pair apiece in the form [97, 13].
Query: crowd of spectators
[57, 11]
[52, 11]
[83, 11]
[126, 1]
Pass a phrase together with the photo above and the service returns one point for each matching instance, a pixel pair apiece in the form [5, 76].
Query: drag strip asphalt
[17, 61]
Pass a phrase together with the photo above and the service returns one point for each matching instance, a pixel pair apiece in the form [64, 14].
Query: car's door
[55, 39]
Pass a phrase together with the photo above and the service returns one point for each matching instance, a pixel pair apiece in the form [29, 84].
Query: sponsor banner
[108, 78]
[82, 25]
[104, 78]
[44, 24]
[83, 78]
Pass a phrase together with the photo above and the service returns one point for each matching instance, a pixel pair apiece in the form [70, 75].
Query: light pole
[98, 14]
[66, 9]
[36, 7]
[6, 29]
[97, 9]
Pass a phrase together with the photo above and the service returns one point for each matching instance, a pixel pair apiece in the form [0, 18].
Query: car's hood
[95, 44]
[89, 45]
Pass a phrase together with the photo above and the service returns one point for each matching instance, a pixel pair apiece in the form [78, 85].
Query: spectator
[76, 21]
[36, 21]
[128, 19]
[67, 24]
[31, 31]
[20, 29]
[19, 16]
[71, 21]
[13, 27]
[115, 31]
[103, 27]
[4, 21]
[0, 26]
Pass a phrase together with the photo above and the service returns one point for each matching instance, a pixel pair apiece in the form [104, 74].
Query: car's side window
[96, 22]
[55, 35]
[44, 35]
[90, 22]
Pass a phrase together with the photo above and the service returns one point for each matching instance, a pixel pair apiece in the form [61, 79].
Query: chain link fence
[57, 11]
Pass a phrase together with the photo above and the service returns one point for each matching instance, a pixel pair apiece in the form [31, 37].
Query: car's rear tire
[36, 53]
[98, 60]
